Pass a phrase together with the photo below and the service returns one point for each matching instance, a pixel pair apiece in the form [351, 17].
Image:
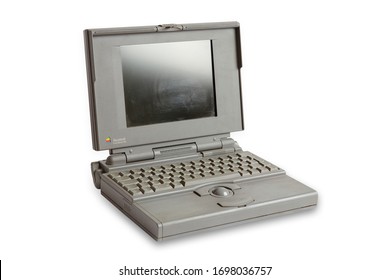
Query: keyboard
[146, 181]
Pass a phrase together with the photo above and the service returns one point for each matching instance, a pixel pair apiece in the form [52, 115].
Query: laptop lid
[163, 83]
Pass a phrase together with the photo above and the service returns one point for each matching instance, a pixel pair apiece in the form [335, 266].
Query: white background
[316, 97]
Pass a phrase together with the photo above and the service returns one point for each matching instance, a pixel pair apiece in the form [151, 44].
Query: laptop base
[167, 217]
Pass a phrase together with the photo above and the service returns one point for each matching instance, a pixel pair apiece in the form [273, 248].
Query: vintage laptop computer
[163, 101]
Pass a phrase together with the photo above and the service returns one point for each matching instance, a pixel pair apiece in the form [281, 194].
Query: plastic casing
[106, 90]
[181, 212]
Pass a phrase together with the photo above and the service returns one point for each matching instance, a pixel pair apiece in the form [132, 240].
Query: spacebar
[211, 179]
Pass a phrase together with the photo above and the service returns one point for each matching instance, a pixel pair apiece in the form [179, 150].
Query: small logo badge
[108, 140]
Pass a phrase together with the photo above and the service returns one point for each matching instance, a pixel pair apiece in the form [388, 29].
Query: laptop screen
[167, 82]
[152, 87]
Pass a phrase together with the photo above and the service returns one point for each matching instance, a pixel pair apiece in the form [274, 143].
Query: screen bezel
[107, 95]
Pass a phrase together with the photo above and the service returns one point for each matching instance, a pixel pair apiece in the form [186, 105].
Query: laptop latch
[170, 27]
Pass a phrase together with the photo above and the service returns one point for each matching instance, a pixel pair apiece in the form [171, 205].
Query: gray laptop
[163, 101]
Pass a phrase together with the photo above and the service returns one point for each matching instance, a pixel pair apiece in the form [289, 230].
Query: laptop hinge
[148, 152]
[131, 154]
[207, 146]
[225, 145]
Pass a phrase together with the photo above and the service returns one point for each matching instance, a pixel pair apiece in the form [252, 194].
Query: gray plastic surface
[106, 92]
[178, 214]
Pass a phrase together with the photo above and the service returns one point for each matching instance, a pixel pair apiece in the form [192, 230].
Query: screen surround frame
[106, 90]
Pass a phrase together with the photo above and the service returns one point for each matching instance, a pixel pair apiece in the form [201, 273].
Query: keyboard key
[186, 177]
[244, 173]
[146, 190]
[124, 173]
[159, 188]
[114, 175]
[135, 192]
[176, 185]
[143, 185]
[127, 180]
[128, 186]
[156, 182]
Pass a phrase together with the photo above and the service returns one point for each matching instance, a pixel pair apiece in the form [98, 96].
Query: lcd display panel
[168, 82]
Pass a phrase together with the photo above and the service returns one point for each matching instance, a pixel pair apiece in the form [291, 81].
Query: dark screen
[168, 82]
